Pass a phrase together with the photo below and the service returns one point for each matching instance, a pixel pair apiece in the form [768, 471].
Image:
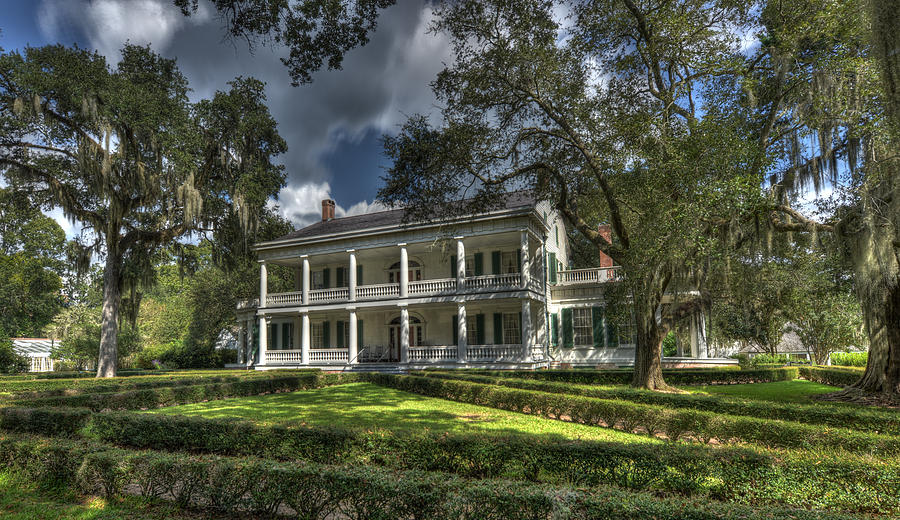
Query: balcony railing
[594, 275]
[337, 294]
[494, 352]
[443, 285]
[284, 299]
[376, 292]
[427, 354]
[494, 281]
[329, 355]
[283, 357]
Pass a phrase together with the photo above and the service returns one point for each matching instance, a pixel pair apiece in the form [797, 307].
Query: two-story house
[373, 291]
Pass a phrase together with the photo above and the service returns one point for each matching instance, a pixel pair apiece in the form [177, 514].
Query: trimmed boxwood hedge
[651, 419]
[168, 396]
[861, 419]
[739, 474]
[674, 376]
[314, 491]
[831, 376]
[45, 421]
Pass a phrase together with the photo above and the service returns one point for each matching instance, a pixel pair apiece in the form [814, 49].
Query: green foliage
[850, 359]
[650, 419]
[831, 376]
[77, 331]
[669, 344]
[10, 361]
[312, 490]
[44, 421]
[861, 419]
[674, 376]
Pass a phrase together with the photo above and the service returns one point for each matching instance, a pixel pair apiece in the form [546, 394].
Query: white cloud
[302, 205]
[70, 228]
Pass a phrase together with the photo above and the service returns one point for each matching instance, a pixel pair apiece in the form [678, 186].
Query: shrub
[46, 421]
[830, 376]
[259, 486]
[674, 376]
[859, 418]
[168, 396]
[850, 359]
[618, 414]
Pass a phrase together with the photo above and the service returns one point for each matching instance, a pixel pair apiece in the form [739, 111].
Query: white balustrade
[329, 295]
[589, 276]
[248, 304]
[284, 299]
[494, 352]
[329, 355]
[283, 357]
[437, 353]
[377, 291]
[494, 281]
[440, 285]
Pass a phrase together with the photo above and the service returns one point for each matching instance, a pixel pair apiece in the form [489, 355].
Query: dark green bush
[315, 491]
[168, 396]
[624, 415]
[673, 376]
[831, 376]
[861, 418]
[46, 421]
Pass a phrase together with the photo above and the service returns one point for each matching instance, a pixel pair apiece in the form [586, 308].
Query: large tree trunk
[882, 319]
[650, 332]
[107, 365]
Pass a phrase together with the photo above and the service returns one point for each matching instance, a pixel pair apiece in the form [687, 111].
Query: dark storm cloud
[379, 85]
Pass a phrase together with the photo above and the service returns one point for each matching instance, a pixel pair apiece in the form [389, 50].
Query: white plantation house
[374, 292]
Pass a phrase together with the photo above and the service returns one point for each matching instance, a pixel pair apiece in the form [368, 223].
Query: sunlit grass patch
[796, 391]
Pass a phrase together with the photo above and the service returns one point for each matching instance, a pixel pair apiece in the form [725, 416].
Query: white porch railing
[377, 291]
[247, 304]
[494, 352]
[441, 285]
[327, 355]
[588, 276]
[494, 281]
[284, 299]
[329, 295]
[283, 357]
[439, 353]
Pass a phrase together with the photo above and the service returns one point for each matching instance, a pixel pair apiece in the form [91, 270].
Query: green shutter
[479, 329]
[326, 334]
[359, 334]
[552, 265]
[339, 277]
[612, 335]
[359, 280]
[495, 262]
[273, 337]
[554, 329]
[568, 328]
[453, 266]
[597, 322]
[286, 335]
[326, 278]
[340, 334]
[455, 329]
[479, 264]
[498, 328]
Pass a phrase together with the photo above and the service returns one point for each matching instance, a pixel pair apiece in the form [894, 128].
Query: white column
[352, 346]
[240, 344]
[460, 264]
[525, 262]
[462, 340]
[263, 339]
[351, 284]
[263, 284]
[527, 340]
[404, 335]
[404, 271]
[305, 285]
[304, 338]
[248, 349]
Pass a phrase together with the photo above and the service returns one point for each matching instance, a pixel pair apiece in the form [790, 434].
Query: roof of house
[394, 217]
[32, 347]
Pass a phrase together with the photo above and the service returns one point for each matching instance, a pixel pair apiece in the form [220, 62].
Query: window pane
[317, 282]
[584, 331]
[508, 263]
[317, 335]
[512, 329]
[472, 331]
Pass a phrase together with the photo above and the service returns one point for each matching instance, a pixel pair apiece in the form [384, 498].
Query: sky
[333, 126]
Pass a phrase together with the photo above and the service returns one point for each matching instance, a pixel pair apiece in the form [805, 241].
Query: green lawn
[20, 500]
[364, 405]
[796, 391]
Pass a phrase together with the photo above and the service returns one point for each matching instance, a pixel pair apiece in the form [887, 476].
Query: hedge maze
[691, 455]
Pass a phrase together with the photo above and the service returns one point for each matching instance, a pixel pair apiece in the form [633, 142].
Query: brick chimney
[327, 209]
[606, 232]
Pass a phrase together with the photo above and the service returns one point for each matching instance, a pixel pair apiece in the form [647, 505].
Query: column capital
[304, 256]
[403, 305]
[401, 244]
[350, 251]
[459, 237]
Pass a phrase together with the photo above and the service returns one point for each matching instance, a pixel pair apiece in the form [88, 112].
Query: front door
[415, 339]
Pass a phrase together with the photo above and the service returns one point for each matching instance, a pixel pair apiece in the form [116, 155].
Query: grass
[796, 391]
[368, 406]
[20, 500]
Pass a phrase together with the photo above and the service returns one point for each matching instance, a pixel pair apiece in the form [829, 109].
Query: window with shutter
[583, 327]
[554, 329]
[455, 331]
[339, 277]
[495, 262]
[340, 335]
[498, 328]
[598, 329]
[326, 334]
[478, 260]
[512, 328]
[568, 333]
[552, 265]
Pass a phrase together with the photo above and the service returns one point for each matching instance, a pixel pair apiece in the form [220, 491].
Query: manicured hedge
[156, 397]
[651, 419]
[751, 476]
[673, 377]
[314, 491]
[831, 376]
[45, 421]
[861, 419]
